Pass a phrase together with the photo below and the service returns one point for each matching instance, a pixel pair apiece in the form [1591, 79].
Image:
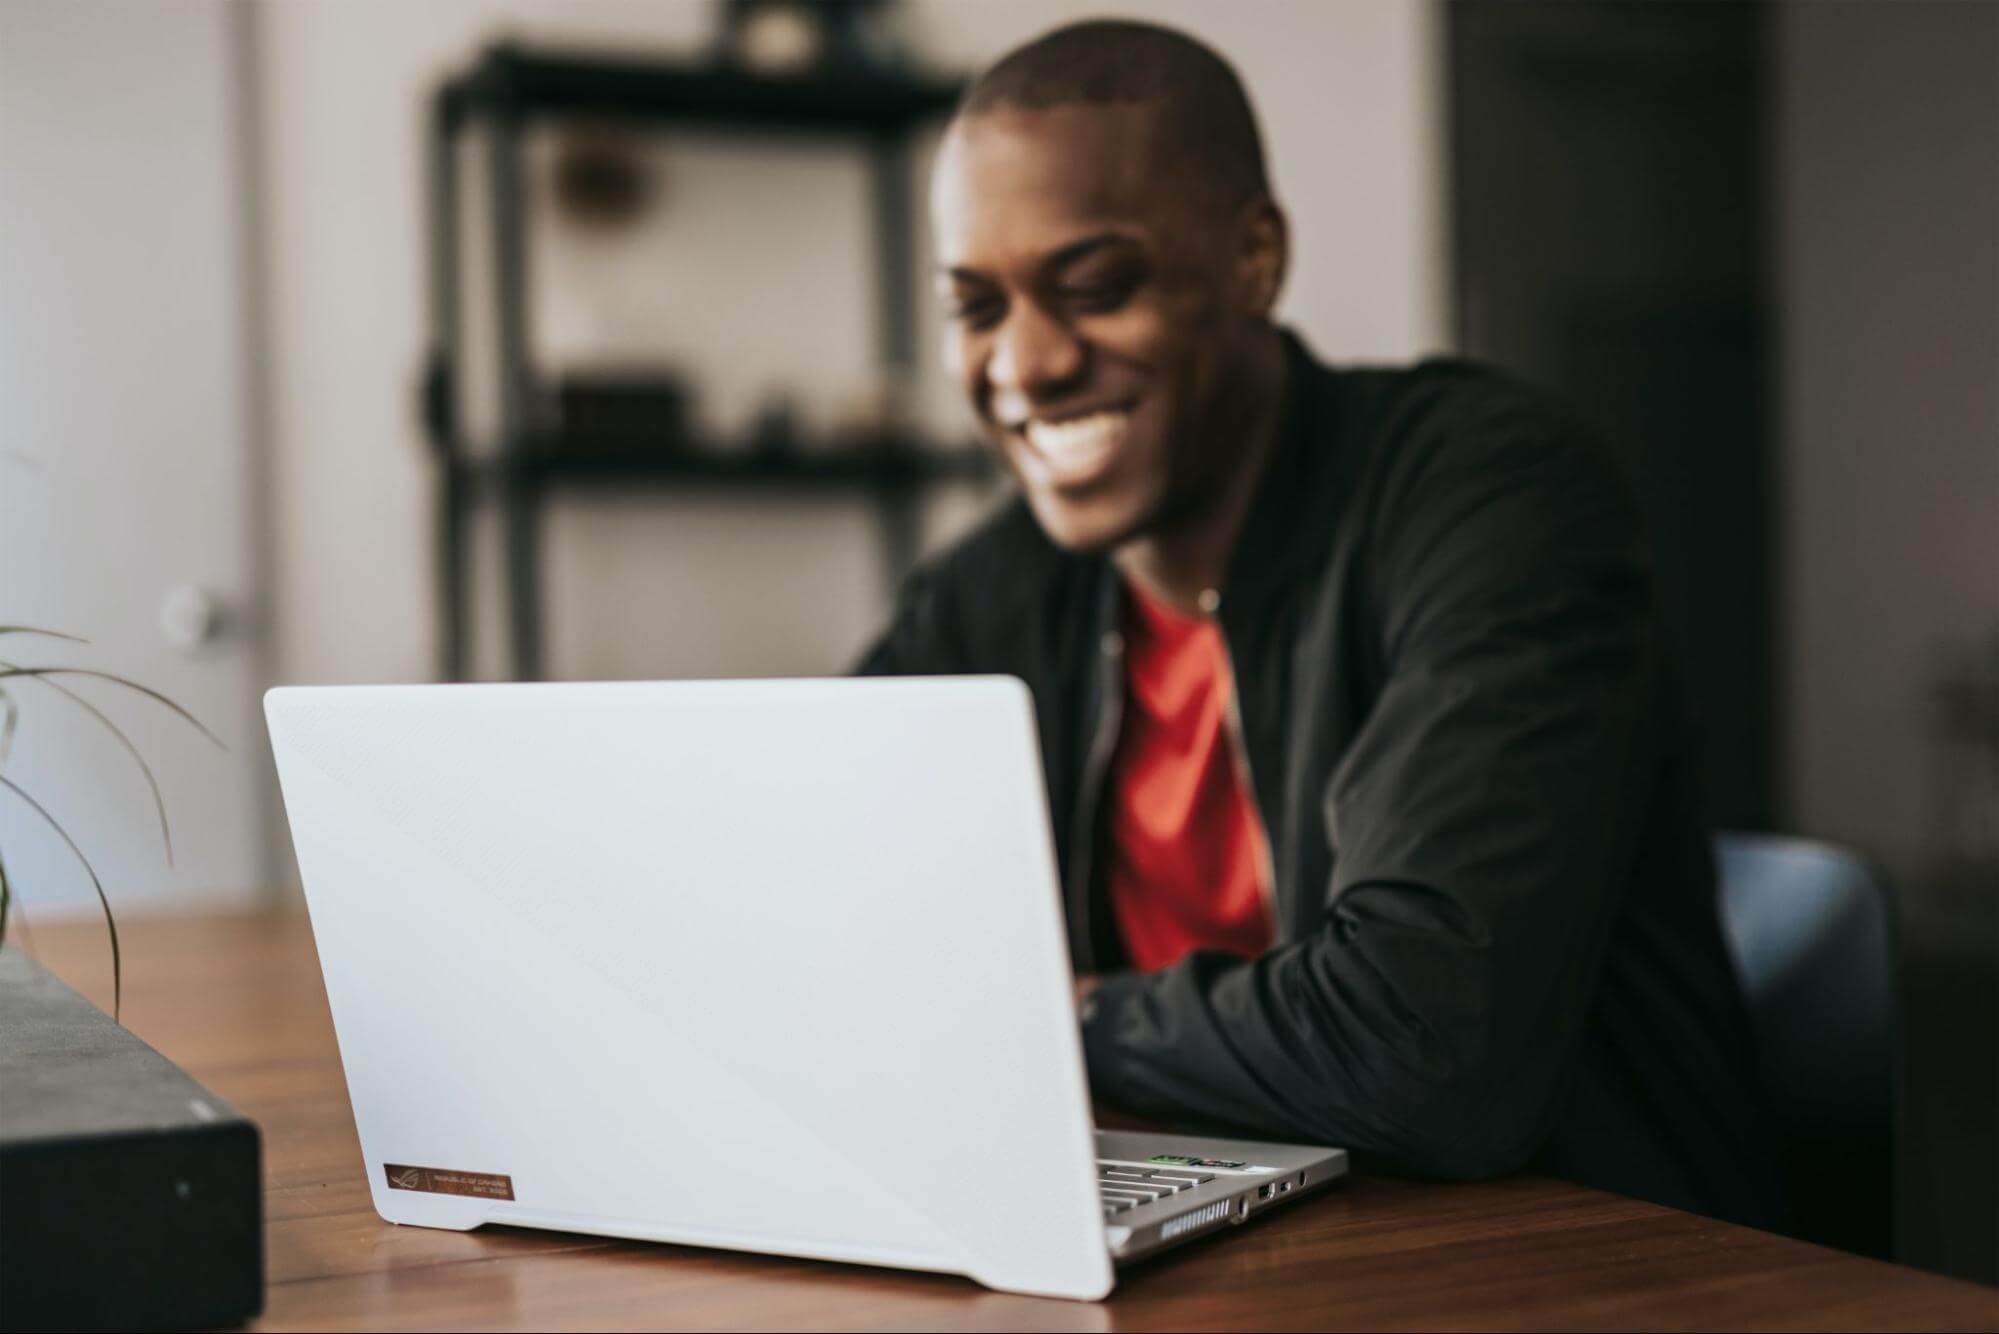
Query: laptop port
[1263, 1191]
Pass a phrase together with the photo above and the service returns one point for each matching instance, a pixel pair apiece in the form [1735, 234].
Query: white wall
[126, 459]
[647, 586]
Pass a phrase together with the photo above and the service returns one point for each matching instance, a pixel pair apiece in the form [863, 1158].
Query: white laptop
[776, 966]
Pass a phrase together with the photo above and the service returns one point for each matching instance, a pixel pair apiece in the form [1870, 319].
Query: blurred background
[482, 339]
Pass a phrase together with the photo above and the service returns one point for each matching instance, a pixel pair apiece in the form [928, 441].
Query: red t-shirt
[1187, 864]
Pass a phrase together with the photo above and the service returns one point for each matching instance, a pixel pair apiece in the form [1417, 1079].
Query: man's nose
[1033, 355]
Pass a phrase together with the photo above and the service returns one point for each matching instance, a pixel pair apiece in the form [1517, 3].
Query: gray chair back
[1808, 927]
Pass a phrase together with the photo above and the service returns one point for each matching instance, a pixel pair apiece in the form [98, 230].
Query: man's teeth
[1079, 441]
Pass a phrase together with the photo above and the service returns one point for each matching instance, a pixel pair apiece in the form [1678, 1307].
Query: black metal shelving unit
[507, 91]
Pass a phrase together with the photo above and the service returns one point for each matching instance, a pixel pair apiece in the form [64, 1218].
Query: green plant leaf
[147, 691]
[11, 915]
[17, 918]
[159, 802]
[110, 923]
[46, 634]
[7, 721]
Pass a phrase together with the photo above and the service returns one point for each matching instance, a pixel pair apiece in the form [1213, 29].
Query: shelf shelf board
[583, 463]
[553, 83]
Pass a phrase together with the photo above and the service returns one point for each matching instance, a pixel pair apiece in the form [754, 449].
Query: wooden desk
[237, 1002]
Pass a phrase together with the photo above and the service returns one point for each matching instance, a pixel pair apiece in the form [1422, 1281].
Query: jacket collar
[1287, 524]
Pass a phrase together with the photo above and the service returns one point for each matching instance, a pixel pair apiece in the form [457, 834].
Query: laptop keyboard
[1124, 1186]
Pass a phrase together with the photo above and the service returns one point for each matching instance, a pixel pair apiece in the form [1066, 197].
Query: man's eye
[973, 312]
[1099, 297]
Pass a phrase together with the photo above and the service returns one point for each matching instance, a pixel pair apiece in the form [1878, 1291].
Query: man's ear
[1263, 255]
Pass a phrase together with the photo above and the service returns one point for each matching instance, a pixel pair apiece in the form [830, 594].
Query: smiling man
[1371, 793]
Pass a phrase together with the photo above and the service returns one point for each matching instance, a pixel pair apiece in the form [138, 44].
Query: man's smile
[1074, 450]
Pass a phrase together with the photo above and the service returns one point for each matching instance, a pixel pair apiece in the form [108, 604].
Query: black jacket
[1497, 935]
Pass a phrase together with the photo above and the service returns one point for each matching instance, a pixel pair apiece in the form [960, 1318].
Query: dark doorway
[1609, 223]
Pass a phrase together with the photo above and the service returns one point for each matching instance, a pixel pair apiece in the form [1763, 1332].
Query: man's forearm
[1312, 1043]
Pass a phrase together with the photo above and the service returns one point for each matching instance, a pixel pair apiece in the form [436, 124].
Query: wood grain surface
[237, 1002]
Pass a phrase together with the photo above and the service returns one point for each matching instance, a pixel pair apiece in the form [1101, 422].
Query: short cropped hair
[1205, 120]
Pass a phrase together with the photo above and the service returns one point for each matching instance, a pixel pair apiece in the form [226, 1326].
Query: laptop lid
[776, 966]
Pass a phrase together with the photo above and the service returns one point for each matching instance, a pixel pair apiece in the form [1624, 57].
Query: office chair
[1808, 928]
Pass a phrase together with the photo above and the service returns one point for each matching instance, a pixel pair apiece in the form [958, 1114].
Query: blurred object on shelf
[776, 433]
[600, 178]
[1967, 696]
[1964, 698]
[882, 409]
[780, 37]
[787, 37]
[622, 409]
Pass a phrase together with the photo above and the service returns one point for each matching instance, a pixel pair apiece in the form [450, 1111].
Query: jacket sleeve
[1482, 823]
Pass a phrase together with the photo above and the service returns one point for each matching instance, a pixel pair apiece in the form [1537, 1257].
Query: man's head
[1110, 254]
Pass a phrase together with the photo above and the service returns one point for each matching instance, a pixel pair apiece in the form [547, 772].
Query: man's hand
[1085, 984]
